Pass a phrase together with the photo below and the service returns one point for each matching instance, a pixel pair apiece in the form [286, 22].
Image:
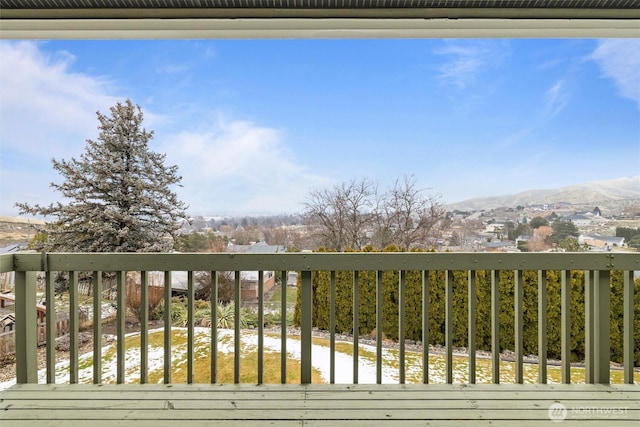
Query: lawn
[320, 361]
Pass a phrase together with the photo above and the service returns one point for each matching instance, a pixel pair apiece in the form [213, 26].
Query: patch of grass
[155, 339]
[225, 362]
[85, 363]
[248, 369]
[111, 352]
[292, 294]
[271, 367]
[437, 366]
[155, 377]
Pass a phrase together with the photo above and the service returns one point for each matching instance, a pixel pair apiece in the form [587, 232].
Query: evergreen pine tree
[118, 193]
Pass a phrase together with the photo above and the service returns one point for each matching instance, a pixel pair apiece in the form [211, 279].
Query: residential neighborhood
[505, 229]
[508, 229]
[495, 230]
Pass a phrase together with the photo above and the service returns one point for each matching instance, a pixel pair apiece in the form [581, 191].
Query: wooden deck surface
[319, 405]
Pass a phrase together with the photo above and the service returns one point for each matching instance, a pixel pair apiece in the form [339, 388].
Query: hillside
[614, 195]
[16, 230]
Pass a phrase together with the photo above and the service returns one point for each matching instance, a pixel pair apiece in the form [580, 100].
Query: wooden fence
[8, 341]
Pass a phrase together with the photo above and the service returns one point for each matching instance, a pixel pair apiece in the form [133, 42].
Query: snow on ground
[320, 359]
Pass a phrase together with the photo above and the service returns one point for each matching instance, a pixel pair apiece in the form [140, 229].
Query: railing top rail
[322, 261]
[6, 262]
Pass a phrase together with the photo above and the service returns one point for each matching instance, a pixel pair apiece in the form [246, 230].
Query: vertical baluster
[379, 282]
[332, 328]
[425, 327]
[448, 328]
[144, 327]
[542, 327]
[167, 327]
[236, 327]
[356, 325]
[26, 331]
[627, 329]
[401, 324]
[602, 338]
[588, 326]
[518, 326]
[495, 327]
[565, 328]
[74, 327]
[191, 308]
[306, 303]
[121, 277]
[283, 328]
[260, 327]
[51, 326]
[213, 300]
[472, 325]
[97, 327]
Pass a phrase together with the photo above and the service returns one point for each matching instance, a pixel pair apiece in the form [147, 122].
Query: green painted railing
[597, 268]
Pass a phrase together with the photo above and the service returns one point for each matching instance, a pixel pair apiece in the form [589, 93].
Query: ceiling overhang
[129, 19]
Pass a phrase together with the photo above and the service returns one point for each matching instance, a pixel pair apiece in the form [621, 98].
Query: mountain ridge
[613, 195]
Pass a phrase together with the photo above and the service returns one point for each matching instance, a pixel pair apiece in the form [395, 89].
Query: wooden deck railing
[597, 269]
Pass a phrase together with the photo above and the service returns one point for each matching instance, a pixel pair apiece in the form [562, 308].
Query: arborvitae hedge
[413, 308]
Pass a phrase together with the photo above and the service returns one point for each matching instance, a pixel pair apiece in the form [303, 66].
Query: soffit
[317, 18]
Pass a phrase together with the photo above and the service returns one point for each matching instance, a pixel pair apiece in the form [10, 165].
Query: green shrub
[436, 282]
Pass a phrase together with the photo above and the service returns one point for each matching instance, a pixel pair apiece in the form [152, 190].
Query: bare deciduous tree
[344, 215]
[408, 217]
[339, 215]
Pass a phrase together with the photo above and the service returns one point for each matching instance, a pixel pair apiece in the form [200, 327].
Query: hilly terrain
[16, 230]
[615, 195]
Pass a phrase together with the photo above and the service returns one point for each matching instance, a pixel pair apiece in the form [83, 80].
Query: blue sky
[254, 125]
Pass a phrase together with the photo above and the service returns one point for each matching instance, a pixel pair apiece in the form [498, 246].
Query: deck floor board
[317, 405]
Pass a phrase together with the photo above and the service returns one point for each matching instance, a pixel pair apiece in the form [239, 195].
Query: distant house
[602, 243]
[579, 220]
[495, 227]
[249, 284]
[249, 279]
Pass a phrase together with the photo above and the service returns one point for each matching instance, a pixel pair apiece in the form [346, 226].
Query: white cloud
[619, 60]
[238, 167]
[45, 111]
[556, 98]
[45, 108]
[461, 70]
[467, 59]
[228, 147]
